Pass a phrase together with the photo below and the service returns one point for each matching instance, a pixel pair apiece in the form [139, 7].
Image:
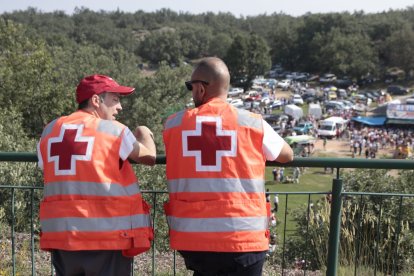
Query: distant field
[312, 180]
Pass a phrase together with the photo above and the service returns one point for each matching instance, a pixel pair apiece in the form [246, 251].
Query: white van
[409, 101]
[329, 127]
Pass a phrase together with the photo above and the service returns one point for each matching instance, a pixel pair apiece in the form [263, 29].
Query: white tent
[293, 110]
[315, 110]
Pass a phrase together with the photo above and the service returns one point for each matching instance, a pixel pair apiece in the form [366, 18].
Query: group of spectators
[368, 141]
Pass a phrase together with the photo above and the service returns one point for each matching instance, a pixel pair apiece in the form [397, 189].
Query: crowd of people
[363, 140]
[368, 141]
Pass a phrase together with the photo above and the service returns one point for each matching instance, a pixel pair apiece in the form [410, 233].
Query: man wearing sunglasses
[217, 210]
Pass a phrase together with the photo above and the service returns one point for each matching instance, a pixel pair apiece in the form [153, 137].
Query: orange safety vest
[215, 172]
[92, 200]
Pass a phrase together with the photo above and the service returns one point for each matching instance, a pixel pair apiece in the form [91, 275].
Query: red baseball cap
[98, 84]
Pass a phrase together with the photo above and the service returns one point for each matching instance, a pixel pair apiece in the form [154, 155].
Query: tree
[25, 74]
[162, 45]
[236, 58]
[195, 41]
[219, 45]
[284, 48]
[247, 58]
[400, 48]
[345, 54]
[258, 58]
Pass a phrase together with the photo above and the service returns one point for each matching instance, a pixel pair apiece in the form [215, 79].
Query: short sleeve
[272, 142]
[127, 144]
[39, 157]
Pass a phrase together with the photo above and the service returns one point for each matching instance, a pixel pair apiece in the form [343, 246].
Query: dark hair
[84, 104]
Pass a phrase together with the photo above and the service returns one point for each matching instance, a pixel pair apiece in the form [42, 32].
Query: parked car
[370, 95]
[308, 98]
[313, 77]
[378, 93]
[310, 91]
[341, 93]
[297, 99]
[332, 95]
[397, 90]
[235, 91]
[334, 105]
[284, 84]
[250, 103]
[303, 128]
[265, 100]
[348, 104]
[237, 103]
[274, 119]
[344, 82]
[327, 78]
[302, 77]
[409, 101]
[366, 80]
[252, 95]
[276, 104]
[361, 98]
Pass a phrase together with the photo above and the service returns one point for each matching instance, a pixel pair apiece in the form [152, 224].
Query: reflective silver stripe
[218, 224]
[225, 185]
[48, 128]
[175, 120]
[95, 224]
[89, 188]
[109, 127]
[245, 119]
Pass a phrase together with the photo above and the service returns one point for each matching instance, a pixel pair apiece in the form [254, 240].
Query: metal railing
[338, 197]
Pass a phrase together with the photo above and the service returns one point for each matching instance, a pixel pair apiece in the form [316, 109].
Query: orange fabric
[221, 241]
[212, 209]
[133, 241]
[190, 197]
[248, 163]
[103, 167]
[125, 206]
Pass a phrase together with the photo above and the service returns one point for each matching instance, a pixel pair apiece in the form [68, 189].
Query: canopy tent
[300, 139]
[371, 121]
[295, 111]
[315, 110]
[302, 145]
[400, 121]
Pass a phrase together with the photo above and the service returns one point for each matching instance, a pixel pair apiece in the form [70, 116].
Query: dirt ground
[341, 148]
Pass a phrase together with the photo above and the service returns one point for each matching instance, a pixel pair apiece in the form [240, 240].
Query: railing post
[334, 227]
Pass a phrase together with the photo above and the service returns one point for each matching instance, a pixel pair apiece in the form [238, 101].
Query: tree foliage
[371, 226]
[247, 58]
[343, 43]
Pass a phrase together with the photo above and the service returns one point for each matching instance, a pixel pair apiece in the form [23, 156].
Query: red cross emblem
[208, 143]
[69, 147]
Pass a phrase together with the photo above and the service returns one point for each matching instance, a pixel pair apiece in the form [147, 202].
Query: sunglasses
[189, 84]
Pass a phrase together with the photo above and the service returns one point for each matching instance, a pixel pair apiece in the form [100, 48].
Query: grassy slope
[312, 180]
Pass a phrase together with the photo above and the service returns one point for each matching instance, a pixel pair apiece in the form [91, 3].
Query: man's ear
[95, 100]
[203, 91]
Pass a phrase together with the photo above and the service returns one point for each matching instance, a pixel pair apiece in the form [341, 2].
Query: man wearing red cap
[93, 218]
